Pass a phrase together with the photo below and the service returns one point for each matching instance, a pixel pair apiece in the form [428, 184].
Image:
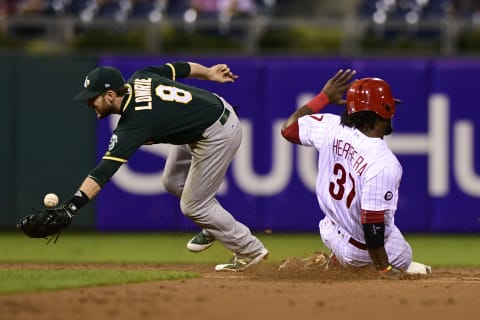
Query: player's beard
[107, 110]
[389, 128]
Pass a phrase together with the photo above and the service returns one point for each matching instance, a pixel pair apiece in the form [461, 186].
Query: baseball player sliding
[358, 175]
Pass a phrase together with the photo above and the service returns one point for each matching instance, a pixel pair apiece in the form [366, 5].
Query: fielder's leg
[174, 175]
[211, 158]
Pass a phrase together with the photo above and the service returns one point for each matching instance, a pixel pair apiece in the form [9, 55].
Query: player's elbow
[290, 133]
[285, 134]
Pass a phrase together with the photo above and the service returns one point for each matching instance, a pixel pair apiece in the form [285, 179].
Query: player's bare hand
[337, 85]
[392, 274]
[221, 73]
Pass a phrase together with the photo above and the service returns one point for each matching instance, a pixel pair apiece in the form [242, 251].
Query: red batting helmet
[371, 94]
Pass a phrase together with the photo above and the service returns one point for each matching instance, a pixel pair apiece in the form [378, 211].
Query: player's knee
[190, 208]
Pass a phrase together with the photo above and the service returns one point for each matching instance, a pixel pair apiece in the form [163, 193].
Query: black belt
[224, 116]
[357, 244]
[352, 241]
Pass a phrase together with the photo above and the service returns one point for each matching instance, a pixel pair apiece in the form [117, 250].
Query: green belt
[225, 115]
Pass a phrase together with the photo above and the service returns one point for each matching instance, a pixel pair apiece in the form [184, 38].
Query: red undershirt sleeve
[368, 216]
[291, 133]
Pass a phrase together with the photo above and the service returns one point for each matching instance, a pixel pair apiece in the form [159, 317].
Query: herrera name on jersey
[347, 151]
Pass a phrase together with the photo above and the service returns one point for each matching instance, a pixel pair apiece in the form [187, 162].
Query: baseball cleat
[241, 263]
[201, 241]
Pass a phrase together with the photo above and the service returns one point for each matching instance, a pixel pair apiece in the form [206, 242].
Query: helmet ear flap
[371, 94]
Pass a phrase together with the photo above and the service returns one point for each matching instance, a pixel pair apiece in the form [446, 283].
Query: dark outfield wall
[48, 140]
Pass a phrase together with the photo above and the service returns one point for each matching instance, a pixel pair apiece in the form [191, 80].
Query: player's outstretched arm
[375, 239]
[87, 191]
[90, 187]
[332, 92]
[218, 73]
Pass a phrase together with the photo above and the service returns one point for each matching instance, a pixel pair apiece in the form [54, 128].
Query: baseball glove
[46, 222]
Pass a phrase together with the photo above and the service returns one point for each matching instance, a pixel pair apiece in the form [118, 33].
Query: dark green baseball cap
[100, 80]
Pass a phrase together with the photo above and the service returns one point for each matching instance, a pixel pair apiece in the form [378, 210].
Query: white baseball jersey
[355, 172]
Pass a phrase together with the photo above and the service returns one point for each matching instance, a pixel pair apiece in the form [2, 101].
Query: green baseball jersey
[158, 109]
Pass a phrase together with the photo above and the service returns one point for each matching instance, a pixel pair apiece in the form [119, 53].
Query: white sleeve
[312, 129]
[381, 191]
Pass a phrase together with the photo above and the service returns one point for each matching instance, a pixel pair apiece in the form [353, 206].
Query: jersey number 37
[337, 188]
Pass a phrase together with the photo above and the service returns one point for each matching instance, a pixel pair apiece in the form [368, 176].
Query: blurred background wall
[50, 142]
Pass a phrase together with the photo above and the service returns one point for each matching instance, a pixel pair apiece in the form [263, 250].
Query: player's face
[102, 104]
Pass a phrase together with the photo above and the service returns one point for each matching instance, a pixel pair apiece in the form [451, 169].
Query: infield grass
[77, 248]
[170, 248]
[25, 280]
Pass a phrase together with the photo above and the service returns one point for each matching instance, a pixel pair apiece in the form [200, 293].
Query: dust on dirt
[262, 292]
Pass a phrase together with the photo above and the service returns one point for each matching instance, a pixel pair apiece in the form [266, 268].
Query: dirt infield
[260, 293]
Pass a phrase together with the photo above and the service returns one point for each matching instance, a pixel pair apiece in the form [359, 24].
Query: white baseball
[50, 200]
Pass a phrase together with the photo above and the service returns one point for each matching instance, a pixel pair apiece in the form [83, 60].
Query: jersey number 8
[169, 93]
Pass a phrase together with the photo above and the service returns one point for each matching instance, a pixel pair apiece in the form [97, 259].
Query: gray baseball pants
[194, 173]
